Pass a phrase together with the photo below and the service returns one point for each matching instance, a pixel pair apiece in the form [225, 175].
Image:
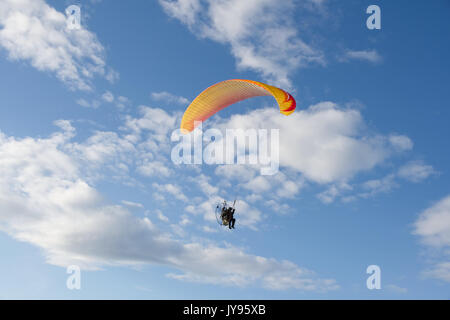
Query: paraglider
[228, 92]
[225, 214]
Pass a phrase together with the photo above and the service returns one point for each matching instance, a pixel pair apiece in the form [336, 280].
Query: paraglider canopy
[225, 93]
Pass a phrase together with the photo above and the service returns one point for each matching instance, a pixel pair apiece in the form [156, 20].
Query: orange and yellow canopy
[225, 93]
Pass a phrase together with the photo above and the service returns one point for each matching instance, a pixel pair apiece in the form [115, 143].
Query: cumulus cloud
[433, 224]
[161, 216]
[154, 120]
[335, 190]
[203, 182]
[108, 96]
[170, 189]
[46, 201]
[326, 143]
[103, 147]
[433, 228]
[272, 274]
[86, 104]
[122, 102]
[33, 31]
[262, 34]
[154, 168]
[50, 181]
[400, 142]
[258, 184]
[131, 204]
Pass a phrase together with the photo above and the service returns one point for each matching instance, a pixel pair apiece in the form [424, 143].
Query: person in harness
[230, 216]
[227, 215]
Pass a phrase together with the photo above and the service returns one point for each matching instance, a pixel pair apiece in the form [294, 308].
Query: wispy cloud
[363, 55]
[86, 104]
[167, 97]
[262, 34]
[108, 96]
[33, 31]
[325, 142]
[416, 171]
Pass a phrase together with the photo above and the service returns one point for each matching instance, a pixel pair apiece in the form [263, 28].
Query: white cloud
[33, 31]
[400, 142]
[205, 186]
[440, 271]
[262, 34]
[252, 198]
[108, 97]
[277, 206]
[184, 10]
[433, 227]
[248, 216]
[122, 102]
[205, 208]
[366, 55]
[132, 204]
[416, 171]
[83, 103]
[184, 220]
[335, 190]
[433, 224]
[86, 104]
[258, 184]
[330, 144]
[141, 139]
[289, 189]
[161, 216]
[102, 147]
[272, 274]
[111, 75]
[168, 98]
[325, 143]
[412, 171]
[155, 120]
[154, 168]
[376, 186]
[170, 189]
[45, 201]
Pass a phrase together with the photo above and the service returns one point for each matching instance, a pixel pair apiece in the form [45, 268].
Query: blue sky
[87, 179]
